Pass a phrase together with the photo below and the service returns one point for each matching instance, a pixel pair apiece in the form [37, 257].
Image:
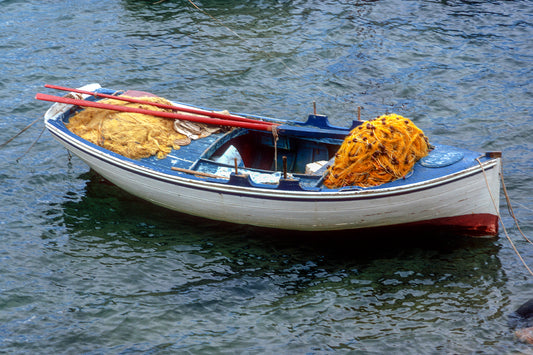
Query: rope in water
[31, 146]
[500, 217]
[216, 20]
[250, 45]
[511, 212]
[20, 132]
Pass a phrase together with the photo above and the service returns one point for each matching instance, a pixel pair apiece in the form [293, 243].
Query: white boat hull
[469, 196]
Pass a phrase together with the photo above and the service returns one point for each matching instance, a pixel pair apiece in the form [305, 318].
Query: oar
[258, 125]
[161, 105]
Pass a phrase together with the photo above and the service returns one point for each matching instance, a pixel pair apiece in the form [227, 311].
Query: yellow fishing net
[132, 135]
[376, 152]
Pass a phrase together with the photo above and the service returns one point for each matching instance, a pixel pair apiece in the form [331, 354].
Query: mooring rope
[31, 146]
[511, 212]
[250, 45]
[500, 217]
[18, 134]
[216, 20]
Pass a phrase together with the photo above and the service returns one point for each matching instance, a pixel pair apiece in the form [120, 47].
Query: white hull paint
[460, 194]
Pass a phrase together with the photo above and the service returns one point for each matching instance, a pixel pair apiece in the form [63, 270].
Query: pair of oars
[209, 117]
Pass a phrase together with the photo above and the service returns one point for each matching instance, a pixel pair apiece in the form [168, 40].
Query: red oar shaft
[161, 105]
[215, 121]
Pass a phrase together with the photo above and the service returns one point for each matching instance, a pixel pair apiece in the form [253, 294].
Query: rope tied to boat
[377, 151]
[510, 209]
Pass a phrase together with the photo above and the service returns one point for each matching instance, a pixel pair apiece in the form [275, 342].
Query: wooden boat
[451, 188]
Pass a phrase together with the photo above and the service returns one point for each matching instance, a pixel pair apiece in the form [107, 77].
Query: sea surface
[88, 268]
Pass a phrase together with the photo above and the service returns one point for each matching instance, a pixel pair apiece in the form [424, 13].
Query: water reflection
[259, 282]
[105, 217]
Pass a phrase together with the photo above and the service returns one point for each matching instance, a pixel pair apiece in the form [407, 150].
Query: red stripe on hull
[475, 225]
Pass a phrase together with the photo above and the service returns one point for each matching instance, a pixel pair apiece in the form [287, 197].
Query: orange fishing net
[132, 135]
[376, 152]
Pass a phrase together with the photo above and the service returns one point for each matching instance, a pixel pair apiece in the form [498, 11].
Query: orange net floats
[377, 151]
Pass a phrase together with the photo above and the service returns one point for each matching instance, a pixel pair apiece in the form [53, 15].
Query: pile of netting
[377, 151]
[132, 135]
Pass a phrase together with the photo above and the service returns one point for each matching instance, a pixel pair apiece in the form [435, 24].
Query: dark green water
[87, 268]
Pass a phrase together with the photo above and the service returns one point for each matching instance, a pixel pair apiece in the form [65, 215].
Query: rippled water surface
[86, 267]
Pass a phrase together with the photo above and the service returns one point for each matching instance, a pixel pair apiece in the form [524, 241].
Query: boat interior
[294, 159]
[261, 154]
